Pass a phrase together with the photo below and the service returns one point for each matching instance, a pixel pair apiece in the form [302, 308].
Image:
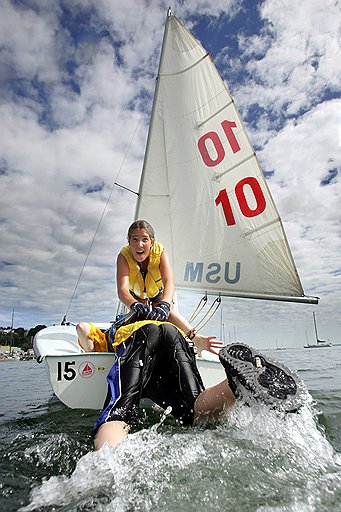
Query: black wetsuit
[157, 363]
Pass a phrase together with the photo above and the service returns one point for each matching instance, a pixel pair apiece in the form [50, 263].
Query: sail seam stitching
[199, 125]
[252, 231]
[187, 69]
[217, 176]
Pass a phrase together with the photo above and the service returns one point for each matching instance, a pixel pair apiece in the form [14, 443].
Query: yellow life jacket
[124, 332]
[151, 285]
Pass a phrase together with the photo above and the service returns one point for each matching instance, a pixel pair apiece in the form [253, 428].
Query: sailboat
[319, 343]
[204, 193]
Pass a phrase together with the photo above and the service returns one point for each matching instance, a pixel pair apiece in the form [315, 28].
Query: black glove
[140, 309]
[160, 312]
[124, 319]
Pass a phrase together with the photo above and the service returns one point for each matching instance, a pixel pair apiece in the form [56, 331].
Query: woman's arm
[167, 278]
[201, 342]
[122, 278]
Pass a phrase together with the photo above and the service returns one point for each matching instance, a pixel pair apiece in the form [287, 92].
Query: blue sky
[76, 86]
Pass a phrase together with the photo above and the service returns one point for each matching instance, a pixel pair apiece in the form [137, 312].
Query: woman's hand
[208, 343]
[142, 310]
[160, 312]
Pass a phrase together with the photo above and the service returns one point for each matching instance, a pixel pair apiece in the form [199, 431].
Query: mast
[316, 333]
[316, 336]
[11, 341]
[169, 14]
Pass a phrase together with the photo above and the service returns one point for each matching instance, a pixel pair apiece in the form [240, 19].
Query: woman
[145, 283]
[155, 360]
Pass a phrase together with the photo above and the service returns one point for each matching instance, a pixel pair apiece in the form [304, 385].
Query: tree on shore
[19, 337]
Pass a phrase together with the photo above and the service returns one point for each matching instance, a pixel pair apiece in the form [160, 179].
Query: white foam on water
[135, 466]
[255, 460]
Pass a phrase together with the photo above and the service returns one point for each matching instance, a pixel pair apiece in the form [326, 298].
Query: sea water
[254, 460]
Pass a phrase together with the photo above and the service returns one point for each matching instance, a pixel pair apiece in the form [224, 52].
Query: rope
[101, 218]
[199, 308]
[201, 322]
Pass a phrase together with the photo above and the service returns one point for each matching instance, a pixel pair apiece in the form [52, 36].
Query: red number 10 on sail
[250, 181]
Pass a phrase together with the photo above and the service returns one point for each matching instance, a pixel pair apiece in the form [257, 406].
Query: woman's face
[140, 244]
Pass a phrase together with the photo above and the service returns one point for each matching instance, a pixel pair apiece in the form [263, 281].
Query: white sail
[202, 188]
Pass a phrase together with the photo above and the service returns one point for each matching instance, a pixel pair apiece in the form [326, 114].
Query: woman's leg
[126, 380]
[214, 402]
[113, 433]
[83, 331]
[183, 385]
[91, 338]
[176, 381]
[136, 368]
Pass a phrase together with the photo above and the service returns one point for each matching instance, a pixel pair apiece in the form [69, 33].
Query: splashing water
[256, 460]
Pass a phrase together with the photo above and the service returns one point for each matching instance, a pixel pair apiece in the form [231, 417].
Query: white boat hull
[78, 378]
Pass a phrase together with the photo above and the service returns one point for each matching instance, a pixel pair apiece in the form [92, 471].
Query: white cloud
[59, 139]
[28, 42]
[302, 48]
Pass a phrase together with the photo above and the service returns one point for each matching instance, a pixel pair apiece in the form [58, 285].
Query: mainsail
[202, 188]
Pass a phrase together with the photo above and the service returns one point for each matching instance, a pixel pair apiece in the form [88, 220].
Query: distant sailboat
[11, 339]
[319, 343]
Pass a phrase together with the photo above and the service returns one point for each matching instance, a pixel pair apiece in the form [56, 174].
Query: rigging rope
[201, 323]
[199, 308]
[101, 218]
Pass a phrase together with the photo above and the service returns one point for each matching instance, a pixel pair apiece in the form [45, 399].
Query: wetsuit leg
[130, 373]
[176, 380]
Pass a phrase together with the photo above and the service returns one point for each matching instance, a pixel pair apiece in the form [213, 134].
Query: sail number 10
[251, 183]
